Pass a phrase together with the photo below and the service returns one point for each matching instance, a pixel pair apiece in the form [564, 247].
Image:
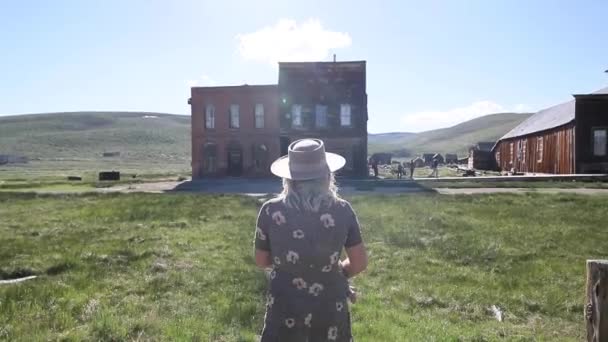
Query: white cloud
[204, 81]
[433, 119]
[288, 41]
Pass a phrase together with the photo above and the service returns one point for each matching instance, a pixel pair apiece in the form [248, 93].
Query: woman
[301, 234]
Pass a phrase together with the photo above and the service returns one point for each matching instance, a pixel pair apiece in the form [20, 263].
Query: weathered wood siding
[591, 113]
[549, 151]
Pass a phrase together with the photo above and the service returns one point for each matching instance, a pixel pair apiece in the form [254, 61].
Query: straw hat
[307, 159]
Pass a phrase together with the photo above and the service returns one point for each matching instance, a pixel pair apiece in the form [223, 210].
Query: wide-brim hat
[306, 159]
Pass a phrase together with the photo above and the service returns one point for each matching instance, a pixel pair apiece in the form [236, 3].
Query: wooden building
[326, 100]
[451, 158]
[382, 158]
[481, 157]
[235, 130]
[564, 139]
[428, 158]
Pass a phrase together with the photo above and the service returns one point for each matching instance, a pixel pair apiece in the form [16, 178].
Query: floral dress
[307, 297]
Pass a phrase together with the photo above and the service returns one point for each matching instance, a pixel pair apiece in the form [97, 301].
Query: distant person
[412, 168]
[435, 167]
[375, 167]
[399, 171]
[301, 234]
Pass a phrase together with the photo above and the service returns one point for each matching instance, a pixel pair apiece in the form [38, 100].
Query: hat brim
[280, 167]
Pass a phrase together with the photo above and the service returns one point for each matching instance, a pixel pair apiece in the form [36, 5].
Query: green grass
[117, 267]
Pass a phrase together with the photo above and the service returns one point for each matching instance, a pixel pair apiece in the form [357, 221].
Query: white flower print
[292, 257]
[273, 274]
[315, 289]
[307, 320]
[339, 306]
[267, 210]
[298, 234]
[299, 283]
[334, 258]
[332, 333]
[277, 260]
[290, 322]
[328, 220]
[278, 218]
[261, 234]
[270, 300]
[326, 268]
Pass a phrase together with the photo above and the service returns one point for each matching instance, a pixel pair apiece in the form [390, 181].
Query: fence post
[596, 306]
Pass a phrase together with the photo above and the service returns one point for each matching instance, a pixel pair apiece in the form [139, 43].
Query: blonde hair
[310, 195]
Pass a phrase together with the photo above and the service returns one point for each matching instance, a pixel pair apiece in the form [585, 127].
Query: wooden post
[596, 308]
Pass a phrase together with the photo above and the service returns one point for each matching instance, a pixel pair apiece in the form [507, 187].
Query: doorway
[235, 160]
[285, 141]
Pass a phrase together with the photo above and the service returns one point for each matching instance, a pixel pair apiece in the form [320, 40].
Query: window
[511, 153]
[498, 157]
[210, 116]
[539, 149]
[523, 150]
[234, 116]
[599, 142]
[210, 158]
[345, 119]
[296, 115]
[259, 115]
[321, 116]
[519, 148]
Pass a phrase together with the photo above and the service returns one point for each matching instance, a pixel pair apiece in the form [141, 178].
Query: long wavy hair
[310, 195]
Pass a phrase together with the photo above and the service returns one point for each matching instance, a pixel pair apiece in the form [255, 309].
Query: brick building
[234, 130]
[240, 130]
[326, 100]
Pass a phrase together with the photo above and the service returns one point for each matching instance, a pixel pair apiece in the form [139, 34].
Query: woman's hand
[352, 294]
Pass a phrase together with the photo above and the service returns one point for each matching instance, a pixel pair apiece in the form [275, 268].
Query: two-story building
[234, 130]
[240, 130]
[326, 100]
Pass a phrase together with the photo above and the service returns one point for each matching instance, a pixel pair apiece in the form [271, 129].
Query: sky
[430, 64]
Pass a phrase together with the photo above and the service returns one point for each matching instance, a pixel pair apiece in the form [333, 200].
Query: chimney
[335, 60]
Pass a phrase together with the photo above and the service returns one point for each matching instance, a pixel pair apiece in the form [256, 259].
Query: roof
[345, 65]
[548, 118]
[235, 87]
[322, 63]
[483, 146]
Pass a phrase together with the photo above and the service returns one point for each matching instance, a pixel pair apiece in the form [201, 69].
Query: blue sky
[430, 63]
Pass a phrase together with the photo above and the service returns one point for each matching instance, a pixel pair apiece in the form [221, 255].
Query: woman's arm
[356, 261]
[262, 258]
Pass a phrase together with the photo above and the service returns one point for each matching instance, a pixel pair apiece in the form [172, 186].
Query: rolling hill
[455, 139]
[163, 140]
[142, 139]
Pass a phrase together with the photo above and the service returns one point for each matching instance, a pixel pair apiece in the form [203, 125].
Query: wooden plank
[596, 308]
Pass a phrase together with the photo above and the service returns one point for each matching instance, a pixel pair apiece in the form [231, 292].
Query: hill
[157, 142]
[141, 138]
[455, 139]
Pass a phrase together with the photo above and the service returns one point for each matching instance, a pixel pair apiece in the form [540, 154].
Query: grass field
[118, 267]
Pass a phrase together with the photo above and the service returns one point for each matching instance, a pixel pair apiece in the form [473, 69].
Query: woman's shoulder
[342, 205]
[272, 204]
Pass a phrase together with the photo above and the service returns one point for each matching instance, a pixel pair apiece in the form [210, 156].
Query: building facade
[326, 100]
[481, 157]
[564, 139]
[234, 130]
